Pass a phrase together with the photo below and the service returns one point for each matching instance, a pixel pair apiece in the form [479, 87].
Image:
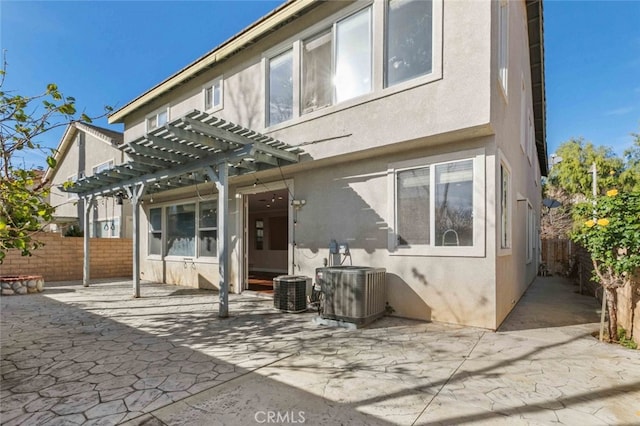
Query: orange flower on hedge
[590, 223]
[603, 222]
[612, 193]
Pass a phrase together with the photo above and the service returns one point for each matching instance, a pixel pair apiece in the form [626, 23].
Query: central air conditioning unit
[290, 293]
[353, 294]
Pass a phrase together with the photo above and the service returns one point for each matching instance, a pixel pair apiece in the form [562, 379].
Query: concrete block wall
[61, 258]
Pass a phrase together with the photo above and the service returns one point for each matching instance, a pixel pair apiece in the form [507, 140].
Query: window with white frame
[503, 43]
[436, 205]
[185, 230]
[208, 229]
[409, 40]
[353, 67]
[505, 206]
[317, 78]
[213, 95]
[181, 230]
[157, 119]
[281, 88]
[155, 231]
[106, 228]
[530, 232]
[103, 167]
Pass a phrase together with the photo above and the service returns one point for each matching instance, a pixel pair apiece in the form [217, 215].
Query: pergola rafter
[185, 152]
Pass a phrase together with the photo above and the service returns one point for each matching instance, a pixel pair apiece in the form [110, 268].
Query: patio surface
[75, 355]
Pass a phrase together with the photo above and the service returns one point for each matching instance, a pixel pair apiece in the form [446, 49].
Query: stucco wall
[456, 97]
[61, 258]
[82, 158]
[513, 273]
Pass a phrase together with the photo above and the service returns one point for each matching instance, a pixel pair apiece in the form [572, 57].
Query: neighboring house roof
[295, 8]
[109, 136]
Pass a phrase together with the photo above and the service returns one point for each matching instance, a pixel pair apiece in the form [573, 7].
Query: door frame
[242, 226]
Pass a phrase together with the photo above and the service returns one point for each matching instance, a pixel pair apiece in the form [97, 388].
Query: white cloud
[619, 111]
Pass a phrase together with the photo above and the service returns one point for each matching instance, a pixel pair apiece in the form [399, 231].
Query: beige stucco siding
[455, 97]
[513, 272]
[81, 158]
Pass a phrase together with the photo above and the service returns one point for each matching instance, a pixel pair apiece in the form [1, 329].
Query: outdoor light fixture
[119, 198]
[273, 199]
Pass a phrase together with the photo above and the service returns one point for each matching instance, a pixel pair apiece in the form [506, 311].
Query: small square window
[213, 95]
[157, 119]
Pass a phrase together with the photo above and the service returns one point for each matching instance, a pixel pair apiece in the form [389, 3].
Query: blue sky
[107, 53]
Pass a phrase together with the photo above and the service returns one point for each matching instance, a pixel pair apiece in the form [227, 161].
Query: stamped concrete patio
[76, 355]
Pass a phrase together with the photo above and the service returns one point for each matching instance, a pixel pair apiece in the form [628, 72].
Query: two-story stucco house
[410, 131]
[85, 150]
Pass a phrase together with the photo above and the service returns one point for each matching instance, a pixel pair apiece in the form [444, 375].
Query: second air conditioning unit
[355, 294]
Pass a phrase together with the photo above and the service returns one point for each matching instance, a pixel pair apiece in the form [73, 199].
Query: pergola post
[86, 267]
[223, 237]
[135, 193]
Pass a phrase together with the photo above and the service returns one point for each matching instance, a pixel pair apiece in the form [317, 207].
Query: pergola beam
[223, 134]
[158, 153]
[177, 146]
[197, 138]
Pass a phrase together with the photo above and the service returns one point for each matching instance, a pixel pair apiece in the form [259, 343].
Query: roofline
[536, 22]
[251, 34]
[67, 140]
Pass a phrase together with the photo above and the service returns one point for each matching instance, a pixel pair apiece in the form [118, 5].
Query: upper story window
[281, 88]
[353, 56]
[103, 166]
[503, 43]
[409, 40]
[158, 119]
[213, 95]
[317, 78]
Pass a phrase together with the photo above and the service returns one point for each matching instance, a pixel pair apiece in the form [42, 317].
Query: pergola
[195, 148]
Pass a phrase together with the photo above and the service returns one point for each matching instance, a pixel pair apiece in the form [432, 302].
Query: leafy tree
[572, 174]
[630, 177]
[609, 229]
[23, 195]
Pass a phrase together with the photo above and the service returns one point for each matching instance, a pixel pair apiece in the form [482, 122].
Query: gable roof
[108, 136]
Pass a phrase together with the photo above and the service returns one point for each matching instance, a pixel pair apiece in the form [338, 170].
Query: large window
[353, 56]
[190, 230]
[454, 204]
[316, 72]
[409, 41]
[155, 231]
[181, 230]
[413, 211]
[208, 229]
[281, 88]
[437, 208]
[451, 211]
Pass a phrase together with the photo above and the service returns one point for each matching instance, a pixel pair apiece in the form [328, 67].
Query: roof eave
[250, 35]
